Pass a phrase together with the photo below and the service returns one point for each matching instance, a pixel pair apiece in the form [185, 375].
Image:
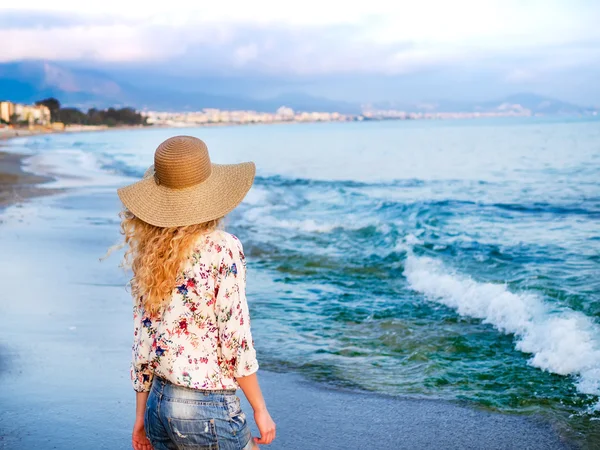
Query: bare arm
[265, 424]
[140, 406]
[139, 441]
[252, 392]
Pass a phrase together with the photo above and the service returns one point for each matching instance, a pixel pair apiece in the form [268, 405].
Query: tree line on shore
[111, 117]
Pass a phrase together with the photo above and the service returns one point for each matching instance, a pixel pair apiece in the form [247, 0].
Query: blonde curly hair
[156, 255]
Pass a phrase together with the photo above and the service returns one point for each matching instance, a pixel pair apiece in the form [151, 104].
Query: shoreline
[18, 185]
[309, 414]
[357, 419]
[11, 133]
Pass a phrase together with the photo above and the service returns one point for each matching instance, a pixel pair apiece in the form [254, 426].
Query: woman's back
[203, 339]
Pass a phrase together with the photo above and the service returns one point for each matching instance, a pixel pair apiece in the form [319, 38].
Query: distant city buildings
[504, 110]
[17, 113]
[211, 116]
[6, 111]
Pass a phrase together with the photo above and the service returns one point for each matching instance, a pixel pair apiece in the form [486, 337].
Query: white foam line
[262, 215]
[562, 341]
[72, 168]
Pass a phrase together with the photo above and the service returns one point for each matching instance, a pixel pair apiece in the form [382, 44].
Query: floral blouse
[203, 338]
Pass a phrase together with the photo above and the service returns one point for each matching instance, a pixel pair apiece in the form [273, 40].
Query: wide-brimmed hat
[184, 187]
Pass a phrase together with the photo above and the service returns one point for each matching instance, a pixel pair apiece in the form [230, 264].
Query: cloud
[215, 47]
[14, 19]
[519, 75]
[244, 54]
[520, 42]
[96, 43]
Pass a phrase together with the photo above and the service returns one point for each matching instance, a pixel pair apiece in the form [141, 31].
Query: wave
[286, 181]
[548, 208]
[73, 168]
[109, 168]
[258, 216]
[561, 341]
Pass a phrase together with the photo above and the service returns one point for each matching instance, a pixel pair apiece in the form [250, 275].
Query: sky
[346, 49]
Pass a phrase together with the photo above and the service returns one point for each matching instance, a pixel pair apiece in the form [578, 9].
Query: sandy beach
[10, 133]
[16, 184]
[65, 348]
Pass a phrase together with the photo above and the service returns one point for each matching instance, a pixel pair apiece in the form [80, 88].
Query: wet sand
[310, 416]
[66, 338]
[16, 184]
[10, 133]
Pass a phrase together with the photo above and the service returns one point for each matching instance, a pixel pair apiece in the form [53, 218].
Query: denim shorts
[180, 418]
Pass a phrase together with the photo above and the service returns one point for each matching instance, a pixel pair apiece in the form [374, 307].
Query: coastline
[338, 419]
[18, 185]
[12, 133]
[60, 323]
[308, 416]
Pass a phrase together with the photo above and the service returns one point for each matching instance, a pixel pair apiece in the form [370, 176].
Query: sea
[456, 260]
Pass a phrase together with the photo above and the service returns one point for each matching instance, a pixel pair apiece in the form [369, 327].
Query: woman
[192, 342]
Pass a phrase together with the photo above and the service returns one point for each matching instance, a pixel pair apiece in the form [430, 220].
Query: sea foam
[72, 168]
[561, 341]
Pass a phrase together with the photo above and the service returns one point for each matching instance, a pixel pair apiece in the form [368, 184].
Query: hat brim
[218, 195]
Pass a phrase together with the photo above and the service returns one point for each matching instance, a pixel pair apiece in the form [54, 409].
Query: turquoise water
[456, 260]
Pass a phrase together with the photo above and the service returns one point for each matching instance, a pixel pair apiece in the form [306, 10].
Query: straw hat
[183, 187]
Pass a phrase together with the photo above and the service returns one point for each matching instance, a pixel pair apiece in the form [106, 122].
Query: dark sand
[310, 416]
[17, 185]
[65, 347]
[9, 133]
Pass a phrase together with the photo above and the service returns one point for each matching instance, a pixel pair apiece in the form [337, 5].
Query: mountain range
[30, 81]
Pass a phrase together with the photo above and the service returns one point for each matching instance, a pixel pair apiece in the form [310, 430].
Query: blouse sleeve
[141, 370]
[237, 346]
